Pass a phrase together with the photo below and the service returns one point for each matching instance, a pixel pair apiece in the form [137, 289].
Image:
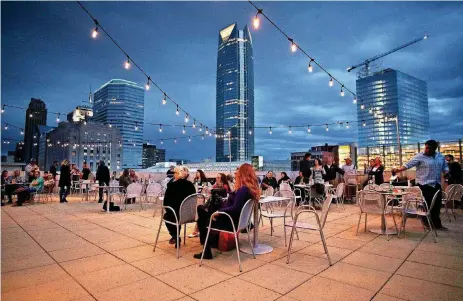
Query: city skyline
[47, 53]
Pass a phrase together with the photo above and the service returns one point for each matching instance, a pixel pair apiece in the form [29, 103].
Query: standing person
[53, 169]
[103, 177]
[246, 189]
[177, 190]
[30, 170]
[368, 172]
[454, 175]
[64, 181]
[429, 167]
[377, 171]
[331, 170]
[269, 181]
[349, 178]
[318, 174]
[85, 171]
[304, 166]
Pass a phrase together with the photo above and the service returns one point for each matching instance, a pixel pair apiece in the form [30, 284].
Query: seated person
[222, 182]
[200, 178]
[284, 179]
[49, 183]
[299, 179]
[133, 176]
[177, 190]
[36, 185]
[4, 181]
[246, 189]
[269, 181]
[125, 181]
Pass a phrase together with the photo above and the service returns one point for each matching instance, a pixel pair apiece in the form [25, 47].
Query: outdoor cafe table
[260, 249]
[109, 195]
[384, 194]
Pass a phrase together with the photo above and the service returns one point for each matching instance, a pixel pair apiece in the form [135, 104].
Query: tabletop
[269, 199]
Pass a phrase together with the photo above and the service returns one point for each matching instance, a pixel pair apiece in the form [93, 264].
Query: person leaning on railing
[429, 167]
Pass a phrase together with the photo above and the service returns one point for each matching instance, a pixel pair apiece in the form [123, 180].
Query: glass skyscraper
[235, 95]
[120, 103]
[391, 92]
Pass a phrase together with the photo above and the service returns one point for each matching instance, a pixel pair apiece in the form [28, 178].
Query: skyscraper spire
[90, 96]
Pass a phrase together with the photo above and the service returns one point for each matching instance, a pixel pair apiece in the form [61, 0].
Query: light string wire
[130, 59]
[294, 44]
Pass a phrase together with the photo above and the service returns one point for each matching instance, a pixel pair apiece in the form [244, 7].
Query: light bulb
[110, 125]
[30, 115]
[164, 99]
[6, 126]
[3, 109]
[370, 110]
[162, 142]
[310, 68]
[85, 122]
[127, 64]
[207, 131]
[189, 139]
[342, 92]
[347, 125]
[202, 137]
[136, 127]
[147, 86]
[270, 131]
[95, 33]
[308, 129]
[327, 129]
[290, 131]
[293, 47]
[22, 132]
[194, 124]
[362, 106]
[354, 100]
[187, 118]
[175, 141]
[364, 124]
[250, 132]
[184, 130]
[331, 82]
[201, 129]
[57, 118]
[177, 112]
[256, 22]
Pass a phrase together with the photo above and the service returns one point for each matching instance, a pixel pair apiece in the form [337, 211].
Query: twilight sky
[47, 53]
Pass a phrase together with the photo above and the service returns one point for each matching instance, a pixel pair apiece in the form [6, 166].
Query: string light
[342, 91]
[95, 31]
[310, 66]
[30, 115]
[177, 112]
[327, 128]
[347, 125]
[189, 139]
[57, 118]
[164, 99]
[3, 109]
[207, 131]
[187, 118]
[202, 137]
[184, 130]
[6, 126]
[293, 45]
[308, 129]
[331, 82]
[364, 123]
[256, 20]
[194, 124]
[22, 132]
[270, 131]
[290, 131]
[127, 64]
[136, 126]
[354, 100]
[175, 140]
[201, 128]
[162, 141]
[250, 132]
[370, 110]
[362, 106]
[110, 125]
[147, 86]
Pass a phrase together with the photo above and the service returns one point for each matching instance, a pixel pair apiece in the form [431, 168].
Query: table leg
[383, 230]
[259, 249]
[108, 202]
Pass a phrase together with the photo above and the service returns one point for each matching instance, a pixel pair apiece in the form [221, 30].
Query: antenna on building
[90, 95]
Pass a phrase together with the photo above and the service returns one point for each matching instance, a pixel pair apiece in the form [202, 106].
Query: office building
[36, 114]
[120, 103]
[235, 95]
[80, 142]
[80, 113]
[42, 147]
[392, 93]
[152, 155]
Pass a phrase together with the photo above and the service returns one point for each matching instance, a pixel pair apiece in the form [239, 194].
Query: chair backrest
[187, 211]
[325, 209]
[434, 198]
[206, 191]
[285, 186]
[455, 193]
[113, 183]
[447, 189]
[154, 189]
[340, 190]
[134, 190]
[415, 192]
[384, 186]
[245, 215]
[371, 187]
[268, 192]
[369, 200]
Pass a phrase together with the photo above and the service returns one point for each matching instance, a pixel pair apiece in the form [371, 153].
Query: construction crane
[366, 64]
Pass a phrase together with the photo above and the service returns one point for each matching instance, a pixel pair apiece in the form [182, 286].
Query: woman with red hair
[246, 188]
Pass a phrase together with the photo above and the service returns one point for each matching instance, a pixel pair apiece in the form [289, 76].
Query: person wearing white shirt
[349, 178]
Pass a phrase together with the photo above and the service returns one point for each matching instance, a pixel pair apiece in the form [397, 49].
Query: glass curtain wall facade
[391, 92]
[235, 95]
[120, 103]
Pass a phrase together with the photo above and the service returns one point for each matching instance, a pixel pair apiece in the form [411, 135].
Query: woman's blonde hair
[183, 171]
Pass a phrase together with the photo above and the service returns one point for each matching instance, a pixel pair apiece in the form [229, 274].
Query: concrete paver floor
[76, 251]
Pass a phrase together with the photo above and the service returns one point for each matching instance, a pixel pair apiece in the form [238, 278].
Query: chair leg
[238, 251]
[290, 242]
[453, 210]
[250, 244]
[205, 244]
[366, 216]
[178, 242]
[395, 223]
[284, 230]
[358, 225]
[433, 228]
[271, 226]
[157, 236]
[325, 247]
[184, 233]
[447, 212]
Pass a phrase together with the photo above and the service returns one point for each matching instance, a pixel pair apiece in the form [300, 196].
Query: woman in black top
[200, 178]
[85, 172]
[64, 181]
[377, 171]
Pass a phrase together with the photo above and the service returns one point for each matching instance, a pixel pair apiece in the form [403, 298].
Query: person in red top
[222, 182]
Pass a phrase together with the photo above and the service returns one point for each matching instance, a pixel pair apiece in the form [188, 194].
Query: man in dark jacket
[53, 169]
[102, 176]
[304, 167]
[331, 170]
[454, 175]
[177, 190]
